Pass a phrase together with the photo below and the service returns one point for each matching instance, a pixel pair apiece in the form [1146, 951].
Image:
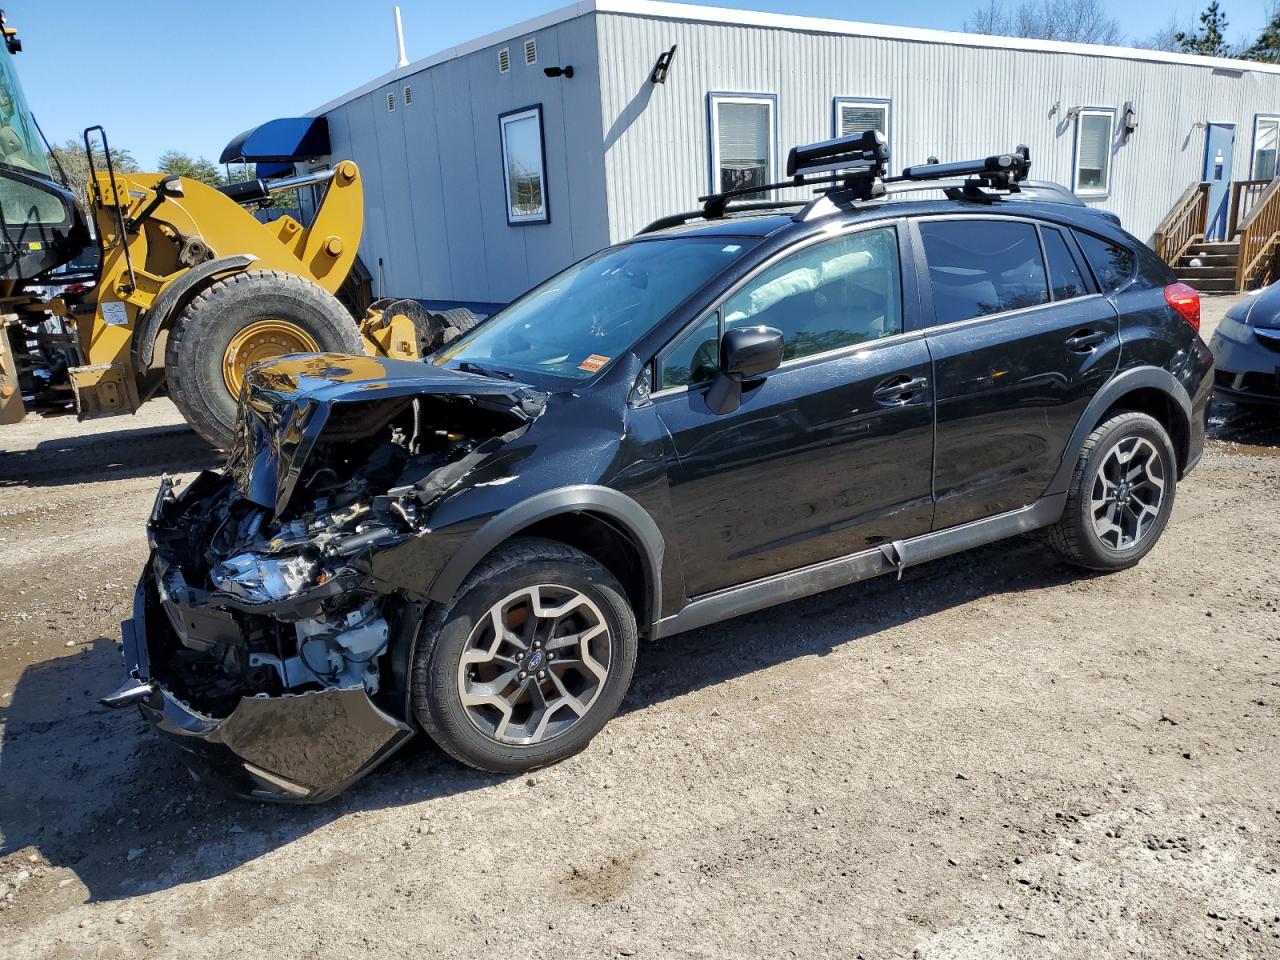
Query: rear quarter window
[1111, 263]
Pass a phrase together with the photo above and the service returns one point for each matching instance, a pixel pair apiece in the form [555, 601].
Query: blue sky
[160, 74]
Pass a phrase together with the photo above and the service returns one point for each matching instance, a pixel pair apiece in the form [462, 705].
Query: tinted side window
[980, 267]
[1112, 264]
[1064, 274]
[694, 357]
[835, 293]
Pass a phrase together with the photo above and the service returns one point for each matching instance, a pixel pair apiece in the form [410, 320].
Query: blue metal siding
[435, 204]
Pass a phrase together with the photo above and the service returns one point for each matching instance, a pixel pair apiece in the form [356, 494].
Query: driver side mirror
[746, 353]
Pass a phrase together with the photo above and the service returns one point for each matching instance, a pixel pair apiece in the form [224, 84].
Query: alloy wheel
[534, 664]
[1128, 492]
[261, 340]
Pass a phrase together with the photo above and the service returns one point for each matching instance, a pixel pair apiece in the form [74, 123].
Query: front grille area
[1258, 384]
[1269, 339]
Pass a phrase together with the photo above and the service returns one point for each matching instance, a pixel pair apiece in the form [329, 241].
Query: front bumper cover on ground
[300, 748]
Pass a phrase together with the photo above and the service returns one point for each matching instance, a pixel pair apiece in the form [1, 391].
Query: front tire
[236, 322]
[528, 662]
[1121, 494]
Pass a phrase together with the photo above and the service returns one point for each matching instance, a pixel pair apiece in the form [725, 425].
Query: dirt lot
[997, 757]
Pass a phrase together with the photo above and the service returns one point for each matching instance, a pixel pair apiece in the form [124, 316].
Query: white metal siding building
[483, 175]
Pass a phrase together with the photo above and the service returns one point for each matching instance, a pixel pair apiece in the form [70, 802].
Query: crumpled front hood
[286, 405]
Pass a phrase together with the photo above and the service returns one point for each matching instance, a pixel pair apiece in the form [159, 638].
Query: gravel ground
[997, 757]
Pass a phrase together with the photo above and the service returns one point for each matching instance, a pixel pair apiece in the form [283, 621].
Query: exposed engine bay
[263, 570]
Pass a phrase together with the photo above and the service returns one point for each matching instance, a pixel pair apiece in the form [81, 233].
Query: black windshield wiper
[467, 366]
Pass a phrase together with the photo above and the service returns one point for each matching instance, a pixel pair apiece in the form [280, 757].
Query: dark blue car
[1246, 350]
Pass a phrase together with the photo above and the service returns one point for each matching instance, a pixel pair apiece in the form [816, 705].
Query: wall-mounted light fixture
[566, 72]
[1073, 113]
[1128, 120]
[660, 69]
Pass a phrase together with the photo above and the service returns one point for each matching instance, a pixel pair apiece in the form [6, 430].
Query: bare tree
[1075, 21]
[1166, 38]
[70, 159]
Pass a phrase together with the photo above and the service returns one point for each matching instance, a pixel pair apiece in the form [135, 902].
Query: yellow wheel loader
[190, 291]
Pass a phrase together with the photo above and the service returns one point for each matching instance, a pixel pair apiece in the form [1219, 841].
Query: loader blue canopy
[284, 140]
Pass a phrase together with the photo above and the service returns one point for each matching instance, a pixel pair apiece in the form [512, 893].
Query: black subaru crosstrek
[739, 406]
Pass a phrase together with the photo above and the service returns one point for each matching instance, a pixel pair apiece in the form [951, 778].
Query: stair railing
[1259, 237]
[1244, 194]
[1184, 225]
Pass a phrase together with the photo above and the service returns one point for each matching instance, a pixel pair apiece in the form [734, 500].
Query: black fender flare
[174, 296]
[632, 519]
[1135, 378]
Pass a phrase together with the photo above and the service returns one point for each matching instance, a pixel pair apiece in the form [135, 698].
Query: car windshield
[572, 325]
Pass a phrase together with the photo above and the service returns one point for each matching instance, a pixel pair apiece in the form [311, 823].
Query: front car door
[829, 454]
[1021, 341]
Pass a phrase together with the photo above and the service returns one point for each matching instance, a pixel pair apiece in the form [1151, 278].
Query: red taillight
[1186, 300]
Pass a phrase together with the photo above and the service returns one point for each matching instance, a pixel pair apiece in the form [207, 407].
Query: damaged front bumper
[274, 621]
[301, 748]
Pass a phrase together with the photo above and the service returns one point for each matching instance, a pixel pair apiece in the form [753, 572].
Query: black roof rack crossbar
[854, 168]
[855, 164]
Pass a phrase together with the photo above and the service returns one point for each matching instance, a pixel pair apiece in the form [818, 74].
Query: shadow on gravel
[97, 792]
[1245, 430]
[118, 455]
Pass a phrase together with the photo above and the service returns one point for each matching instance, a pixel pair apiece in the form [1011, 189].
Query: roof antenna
[403, 61]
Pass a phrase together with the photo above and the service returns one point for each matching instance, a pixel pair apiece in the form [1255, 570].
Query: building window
[1266, 140]
[854, 116]
[1095, 130]
[524, 163]
[742, 141]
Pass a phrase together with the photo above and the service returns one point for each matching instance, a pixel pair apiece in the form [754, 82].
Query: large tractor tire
[458, 321]
[239, 321]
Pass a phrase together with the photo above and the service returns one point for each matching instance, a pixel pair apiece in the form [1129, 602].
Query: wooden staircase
[1246, 261]
[1210, 267]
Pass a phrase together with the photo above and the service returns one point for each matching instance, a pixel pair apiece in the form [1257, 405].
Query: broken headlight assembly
[262, 578]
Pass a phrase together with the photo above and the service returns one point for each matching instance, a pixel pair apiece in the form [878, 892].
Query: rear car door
[1021, 341]
[827, 455]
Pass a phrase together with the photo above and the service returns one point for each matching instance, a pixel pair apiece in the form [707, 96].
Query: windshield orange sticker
[593, 363]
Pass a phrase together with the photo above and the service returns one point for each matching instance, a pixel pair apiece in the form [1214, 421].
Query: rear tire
[204, 330]
[464, 686]
[1121, 494]
[460, 318]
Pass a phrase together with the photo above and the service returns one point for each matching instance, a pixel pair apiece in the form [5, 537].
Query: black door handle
[899, 390]
[1083, 341]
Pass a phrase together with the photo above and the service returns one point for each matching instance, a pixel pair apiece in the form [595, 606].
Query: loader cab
[41, 226]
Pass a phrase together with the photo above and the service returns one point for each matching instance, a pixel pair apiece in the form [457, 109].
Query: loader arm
[145, 256]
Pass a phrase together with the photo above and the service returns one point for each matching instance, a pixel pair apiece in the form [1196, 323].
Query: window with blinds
[1266, 141]
[741, 142]
[1094, 132]
[858, 116]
